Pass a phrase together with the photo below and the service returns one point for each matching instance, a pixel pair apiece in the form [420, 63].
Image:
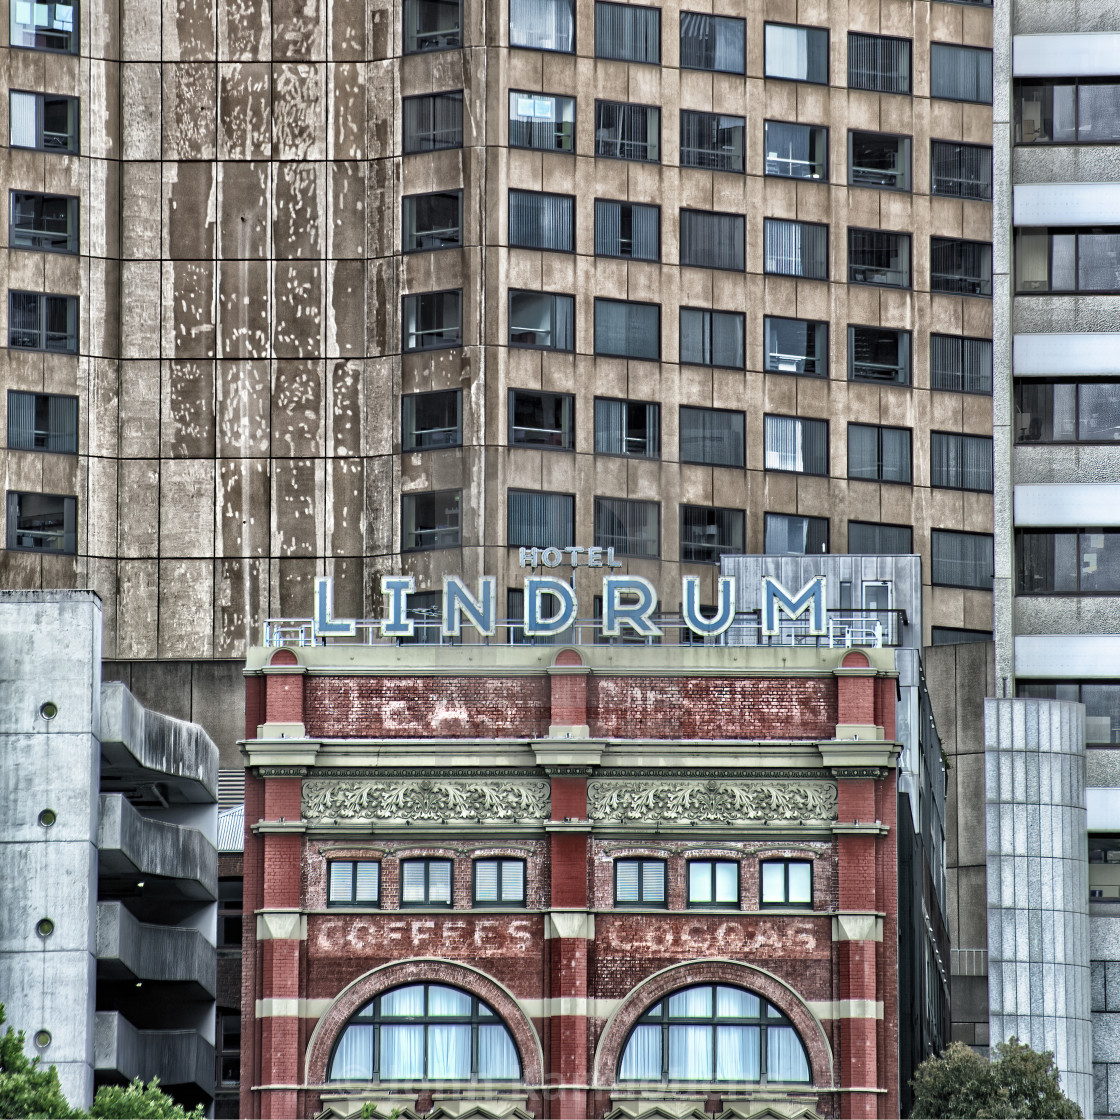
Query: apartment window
[432, 420]
[795, 444]
[712, 436]
[432, 221]
[535, 519]
[499, 882]
[628, 330]
[431, 25]
[543, 25]
[426, 882]
[1067, 111]
[711, 338]
[876, 159]
[432, 320]
[430, 520]
[712, 43]
[796, 248]
[353, 882]
[627, 32]
[229, 1045]
[713, 882]
[878, 454]
[960, 267]
[37, 321]
[796, 151]
[627, 229]
[631, 528]
[231, 910]
[712, 240]
[960, 73]
[711, 141]
[786, 882]
[44, 26]
[878, 257]
[960, 170]
[433, 121]
[1067, 260]
[957, 635]
[542, 320]
[545, 420]
[42, 422]
[708, 532]
[961, 559]
[958, 462]
[1067, 411]
[788, 534]
[796, 346]
[865, 538]
[624, 131]
[639, 882]
[42, 522]
[961, 365]
[875, 354]
[1067, 562]
[1101, 700]
[44, 121]
[542, 121]
[799, 54]
[879, 63]
[43, 221]
[542, 221]
[627, 428]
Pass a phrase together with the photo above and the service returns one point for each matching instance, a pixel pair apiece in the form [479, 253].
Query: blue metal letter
[398, 588]
[457, 600]
[810, 598]
[536, 587]
[690, 607]
[322, 625]
[615, 612]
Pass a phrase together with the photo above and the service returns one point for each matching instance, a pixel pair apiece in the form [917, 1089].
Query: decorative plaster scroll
[426, 800]
[725, 802]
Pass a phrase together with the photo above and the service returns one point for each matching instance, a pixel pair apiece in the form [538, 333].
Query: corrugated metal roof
[231, 829]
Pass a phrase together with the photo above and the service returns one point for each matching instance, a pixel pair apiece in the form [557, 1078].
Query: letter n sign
[810, 598]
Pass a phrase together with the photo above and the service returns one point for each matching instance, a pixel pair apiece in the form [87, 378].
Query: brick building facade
[618, 881]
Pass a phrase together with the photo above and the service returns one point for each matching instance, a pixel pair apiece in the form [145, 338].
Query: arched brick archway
[360, 991]
[717, 971]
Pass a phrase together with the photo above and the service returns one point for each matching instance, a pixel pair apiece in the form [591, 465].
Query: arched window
[713, 1033]
[425, 1032]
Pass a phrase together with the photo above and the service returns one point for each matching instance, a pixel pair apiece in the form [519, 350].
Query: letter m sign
[810, 598]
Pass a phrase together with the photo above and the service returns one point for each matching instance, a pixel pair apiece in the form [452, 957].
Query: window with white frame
[796, 444]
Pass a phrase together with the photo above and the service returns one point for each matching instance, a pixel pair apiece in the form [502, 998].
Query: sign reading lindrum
[551, 606]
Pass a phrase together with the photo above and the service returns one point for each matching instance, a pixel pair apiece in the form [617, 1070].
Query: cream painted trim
[570, 1005]
[292, 1008]
[578, 924]
[857, 927]
[281, 925]
[847, 1008]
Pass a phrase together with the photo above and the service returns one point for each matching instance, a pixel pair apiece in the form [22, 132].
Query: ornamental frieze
[722, 802]
[426, 800]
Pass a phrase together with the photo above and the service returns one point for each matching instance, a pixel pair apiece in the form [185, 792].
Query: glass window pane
[627, 330]
[641, 1060]
[879, 63]
[879, 160]
[23, 119]
[448, 1001]
[433, 121]
[403, 1001]
[412, 881]
[402, 1053]
[738, 1054]
[542, 121]
[439, 881]
[796, 151]
[692, 1003]
[734, 1003]
[543, 25]
[796, 249]
[797, 53]
[626, 880]
[727, 881]
[513, 880]
[800, 882]
[785, 1056]
[541, 221]
[796, 346]
[536, 520]
[1098, 411]
[486, 880]
[712, 240]
[700, 881]
[690, 1053]
[712, 141]
[712, 42]
[773, 882]
[789, 534]
[431, 25]
[653, 881]
[713, 436]
[341, 872]
[960, 73]
[368, 881]
[353, 1055]
[497, 1055]
[627, 32]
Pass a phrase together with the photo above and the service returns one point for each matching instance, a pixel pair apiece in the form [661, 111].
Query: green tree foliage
[1018, 1083]
[138, 1101]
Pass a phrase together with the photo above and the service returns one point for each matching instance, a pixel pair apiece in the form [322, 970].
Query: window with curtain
[639, 882]
[1067, 562]
[959, 462]
[796, 346]
[627, 32]
[714, 1033]
[877, 256]
[39, 321]
[713, 883]
[712, 240]
[627, 428]
[543, 121]
[712, 436]
[42, 522]
[42, 422]
[796, 151]
[425, 1032]
[709, 532]
[631, 528]
[712, 43]
[542, 221]
[961, 559]
[1101, 700]
[796, 444]
[432, 221]
[788, 534]
[48, 222]
[431, 520]
[877, 159]
[786, 882]
[878, 62]
[542, 320]
[960, 73]
[51, 26]
[426, 882]
[1067, 411]
[628, 330]
[432, 320]
[711, 338]
[432, 25]
[876, 354]
[865, 538]
[433, 121]
[961, 365]
[430, 420]
[624, 131]
[353, 882]
[499, 882]
[1067, 260]
[712, 141]
[1067, 111]
[543, 25]
[45, 121]
[878, 454]
[627, 229]
[799, 54]
[960, 267]
[538, 519]
[796, 248]
[545, 420]
[960, 170]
